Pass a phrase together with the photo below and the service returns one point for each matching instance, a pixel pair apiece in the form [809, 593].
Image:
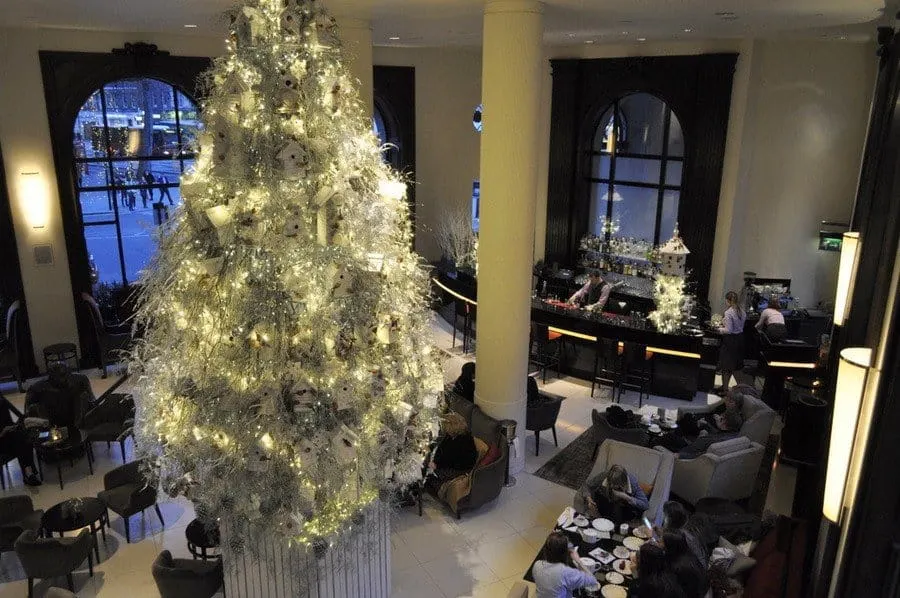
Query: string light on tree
[286, 377]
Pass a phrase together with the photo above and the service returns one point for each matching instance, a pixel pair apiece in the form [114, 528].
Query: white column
[511, 92]
[356, 35]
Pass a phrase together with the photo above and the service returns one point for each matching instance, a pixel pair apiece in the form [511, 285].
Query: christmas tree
[286, 374]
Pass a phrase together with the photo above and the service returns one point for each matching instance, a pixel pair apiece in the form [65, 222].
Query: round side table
[64, 352]
[76, 513]
[200, 539]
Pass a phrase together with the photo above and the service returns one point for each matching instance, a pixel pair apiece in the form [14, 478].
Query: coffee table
[609, 545]
[54, 452]
[76, 513]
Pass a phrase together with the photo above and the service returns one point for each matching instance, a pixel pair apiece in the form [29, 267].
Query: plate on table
[616, 578]
[622, 566]
[613, 591]
[654, 428]
[589, 563]
[581, 521]
[603, 525]
[632, 543]
[621, 552]
[642, 532]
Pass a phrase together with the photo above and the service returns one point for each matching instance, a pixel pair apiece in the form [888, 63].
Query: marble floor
[481, 555]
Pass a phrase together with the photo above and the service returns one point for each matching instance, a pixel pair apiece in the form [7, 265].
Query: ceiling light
[688, 30]
[642, 39]
[190, 26]
[394, 38]
[588, 41]
[624, 33]
[571, 35]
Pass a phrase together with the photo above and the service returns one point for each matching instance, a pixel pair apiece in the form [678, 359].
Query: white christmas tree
[286, 376]
[669, 296]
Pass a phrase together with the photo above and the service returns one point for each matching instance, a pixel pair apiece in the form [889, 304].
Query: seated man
[14, 441]
[63, 398]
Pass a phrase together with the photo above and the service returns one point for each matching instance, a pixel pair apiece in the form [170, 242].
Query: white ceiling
[443, 22]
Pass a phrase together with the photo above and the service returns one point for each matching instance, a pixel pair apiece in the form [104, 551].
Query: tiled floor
[433, 556]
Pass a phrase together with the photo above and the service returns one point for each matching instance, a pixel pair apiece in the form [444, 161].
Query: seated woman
[557, 571]
[676, 518]
[616, 495]
[653, 578]
[465, 384]
[454, 452]
[14, 442]
[684, 565]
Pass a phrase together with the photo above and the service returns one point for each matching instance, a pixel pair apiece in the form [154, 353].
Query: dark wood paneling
[395, 97]
[69, 80]
[697, 88]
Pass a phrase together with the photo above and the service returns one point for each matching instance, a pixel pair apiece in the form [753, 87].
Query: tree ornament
[294, 160]
[343, 445]
[292, 22]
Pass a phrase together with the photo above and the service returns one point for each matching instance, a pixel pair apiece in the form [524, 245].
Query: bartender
[771, 321]
[594, 294]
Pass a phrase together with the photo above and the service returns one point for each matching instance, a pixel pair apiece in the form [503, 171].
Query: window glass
[130, 184]
[673, 172]
[635, 212]
[645, 115]
[638, 170]
[676, 138]
[669, 214]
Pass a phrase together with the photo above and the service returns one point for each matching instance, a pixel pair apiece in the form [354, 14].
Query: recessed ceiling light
[642, 39]
[688, 30]
[190, 26]
[843, 37]
[588, 41]
[624, 33]
[571, 35]
[394, 38]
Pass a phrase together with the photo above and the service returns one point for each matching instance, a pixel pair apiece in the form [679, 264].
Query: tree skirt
[356, 565]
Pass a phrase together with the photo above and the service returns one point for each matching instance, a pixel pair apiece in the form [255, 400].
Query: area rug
[571, 466]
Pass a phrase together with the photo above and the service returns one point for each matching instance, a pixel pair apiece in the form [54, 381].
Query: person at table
[727, 417]
[594, 294]
[677, 519]
[465, 384]
[771, 321]
[684, 565]
[454, 453]
[653, 577]
[558, 572]
[63, 398]
[14, 441]
[731, 353]
[616, 495]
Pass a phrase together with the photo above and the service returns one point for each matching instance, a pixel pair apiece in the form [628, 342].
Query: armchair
[728, 470]
[185, 578]
[758, 417]
[17, 515]
[541, 415]
[110, 341]
[110, 420]
[650, 466]
[45, 558]
[127, 492]
[603, 430]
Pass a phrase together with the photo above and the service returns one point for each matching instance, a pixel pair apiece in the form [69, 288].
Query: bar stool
[63, 352]
[607, 365]
[637, 371]
[466, 311]
[540, 345]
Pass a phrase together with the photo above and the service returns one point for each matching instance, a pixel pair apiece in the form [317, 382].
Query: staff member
[771, 321]
[594, 293]
[731, 355]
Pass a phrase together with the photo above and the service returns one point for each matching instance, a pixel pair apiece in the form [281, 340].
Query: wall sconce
[853, 369]
[850, 246]
[34, 199]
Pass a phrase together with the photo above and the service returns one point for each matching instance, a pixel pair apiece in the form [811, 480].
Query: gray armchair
[603, 430]
[758, 417]
[127, 492]
[110, 420]
[17, 515]
[46, 558]
[185, 578]
[727, 470]
[649, 466]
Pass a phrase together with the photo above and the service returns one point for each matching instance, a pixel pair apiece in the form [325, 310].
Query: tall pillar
[511, 93]
[356, 35]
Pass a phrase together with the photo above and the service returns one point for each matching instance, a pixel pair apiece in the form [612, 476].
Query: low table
[609, 545]
[200, 539]
[76, 513]
[54, 452]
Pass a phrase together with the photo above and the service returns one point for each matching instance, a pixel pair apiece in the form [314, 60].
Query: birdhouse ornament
[673, 256]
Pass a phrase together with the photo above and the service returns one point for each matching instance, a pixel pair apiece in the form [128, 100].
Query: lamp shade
[846, 277]
[851, 382]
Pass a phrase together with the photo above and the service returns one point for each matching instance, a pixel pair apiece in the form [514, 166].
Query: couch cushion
[485, 427]
[751, 406]
[638, 461]
[726, 447]
[492, 455]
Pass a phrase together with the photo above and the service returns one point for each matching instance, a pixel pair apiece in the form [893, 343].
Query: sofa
[650, 466]
[602, 430]
[780, 562]
[484, 483]
[728, 469]
[758, 417]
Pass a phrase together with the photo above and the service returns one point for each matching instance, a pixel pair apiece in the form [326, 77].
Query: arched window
[132, 141]
[636, 165]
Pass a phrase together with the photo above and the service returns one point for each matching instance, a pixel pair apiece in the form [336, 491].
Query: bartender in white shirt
[594, 294]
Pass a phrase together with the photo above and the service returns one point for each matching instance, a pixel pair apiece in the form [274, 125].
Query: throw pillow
[741, 562]
[492, 454]
[647, 488]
